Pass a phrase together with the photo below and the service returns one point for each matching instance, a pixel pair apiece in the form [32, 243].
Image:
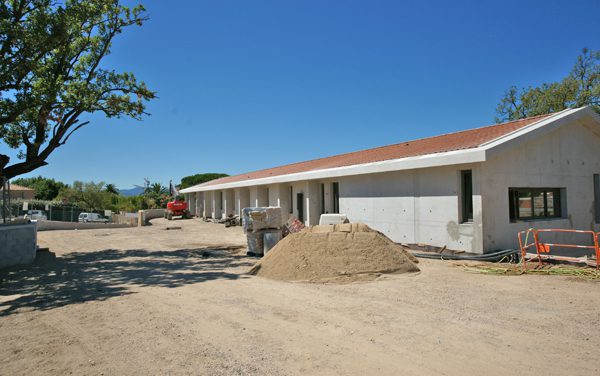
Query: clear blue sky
[245, 85]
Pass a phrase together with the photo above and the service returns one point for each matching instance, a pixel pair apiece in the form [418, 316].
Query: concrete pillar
[207, 200]
[328, 197]
[200, 204]
[228, 202]
[236, 199]
[244, 199]
[217, 198]
[253, 196]
[191, 200]
[279, 195]
[286, 201]
[274, 191]
[477, 245]
[312, 198]
[262, 198]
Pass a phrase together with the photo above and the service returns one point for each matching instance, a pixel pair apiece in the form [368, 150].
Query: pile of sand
[340, 253]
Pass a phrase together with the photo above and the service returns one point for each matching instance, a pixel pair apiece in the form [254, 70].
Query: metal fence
[62, 213]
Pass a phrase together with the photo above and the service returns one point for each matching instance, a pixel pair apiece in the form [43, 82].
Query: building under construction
[471, 190]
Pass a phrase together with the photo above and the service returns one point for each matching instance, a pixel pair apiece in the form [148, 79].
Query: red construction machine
[177, 208]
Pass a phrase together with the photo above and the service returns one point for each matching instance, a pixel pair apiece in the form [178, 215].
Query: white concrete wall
[565, 158]
[274, 191]
[262, 196]
[285, 201]
[228, 202]
[312, 198]
[328, 196]
[253, 197]
[242, 200]
[208, 204]
[259, 196]
[148, 214]
[199, 204]
[191, 201]
[236, 198]
[417, 206]
[217, 204]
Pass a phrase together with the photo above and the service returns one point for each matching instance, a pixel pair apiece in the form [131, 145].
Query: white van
[92, 217]
[36, 215]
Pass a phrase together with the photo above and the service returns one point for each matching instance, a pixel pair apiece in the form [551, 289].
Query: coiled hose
[509, 255]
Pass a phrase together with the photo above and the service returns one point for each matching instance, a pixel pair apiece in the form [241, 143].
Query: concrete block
[18, 244]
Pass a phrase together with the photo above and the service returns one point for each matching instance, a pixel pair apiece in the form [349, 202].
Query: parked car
[36, 215]
[92, 217]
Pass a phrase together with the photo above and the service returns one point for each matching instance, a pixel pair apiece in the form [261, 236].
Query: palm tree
[110, 188]
[157, 188]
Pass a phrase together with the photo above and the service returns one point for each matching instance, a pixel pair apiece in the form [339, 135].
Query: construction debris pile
[335, 253]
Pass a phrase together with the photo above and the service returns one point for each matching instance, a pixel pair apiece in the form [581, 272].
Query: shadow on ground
[95, 276]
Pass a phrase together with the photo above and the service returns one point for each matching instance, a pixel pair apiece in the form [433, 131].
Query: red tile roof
[438, 144]
[15, 187]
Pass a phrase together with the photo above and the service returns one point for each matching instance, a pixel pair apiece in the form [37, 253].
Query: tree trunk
[4, 159]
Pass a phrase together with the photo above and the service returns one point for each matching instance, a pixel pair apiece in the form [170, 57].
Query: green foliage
[156, 189]
[45, 188]
[110, 188]
[94, 196]
[89, 196]
[130, 203]
[156, 196]
[51, 74]
[580, 88]
[192, 180]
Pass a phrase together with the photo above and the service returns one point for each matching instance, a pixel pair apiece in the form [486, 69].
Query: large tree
[579, 88]
[51, 74]
[45, 188]
[191, 180]
[88, 195]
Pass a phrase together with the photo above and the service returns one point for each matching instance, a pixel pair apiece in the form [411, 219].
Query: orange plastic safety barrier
[542, 248]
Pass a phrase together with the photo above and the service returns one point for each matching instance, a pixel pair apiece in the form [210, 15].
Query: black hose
[509, 254]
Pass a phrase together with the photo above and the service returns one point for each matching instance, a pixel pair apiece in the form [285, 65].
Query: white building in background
[471, 190]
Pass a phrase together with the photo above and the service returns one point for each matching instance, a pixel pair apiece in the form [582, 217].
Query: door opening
[300, 206]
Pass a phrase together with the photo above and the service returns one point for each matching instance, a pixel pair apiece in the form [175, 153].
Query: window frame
[466, 199]
[513, 199]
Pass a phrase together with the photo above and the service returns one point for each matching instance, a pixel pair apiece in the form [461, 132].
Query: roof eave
[472, 155]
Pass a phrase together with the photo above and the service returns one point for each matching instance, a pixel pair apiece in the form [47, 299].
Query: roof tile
[438, 144]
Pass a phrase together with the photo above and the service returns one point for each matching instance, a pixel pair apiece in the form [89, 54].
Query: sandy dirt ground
[143, 301]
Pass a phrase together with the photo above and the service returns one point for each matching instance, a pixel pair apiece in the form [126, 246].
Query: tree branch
[72, 131]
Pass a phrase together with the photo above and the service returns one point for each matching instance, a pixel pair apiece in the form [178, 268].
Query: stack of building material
[262, 226]
[333, 219]
[292, 226]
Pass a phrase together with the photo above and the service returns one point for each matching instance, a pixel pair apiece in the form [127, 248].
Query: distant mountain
[135, 191]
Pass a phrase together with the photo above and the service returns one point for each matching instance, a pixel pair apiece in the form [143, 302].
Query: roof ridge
[489, 126]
